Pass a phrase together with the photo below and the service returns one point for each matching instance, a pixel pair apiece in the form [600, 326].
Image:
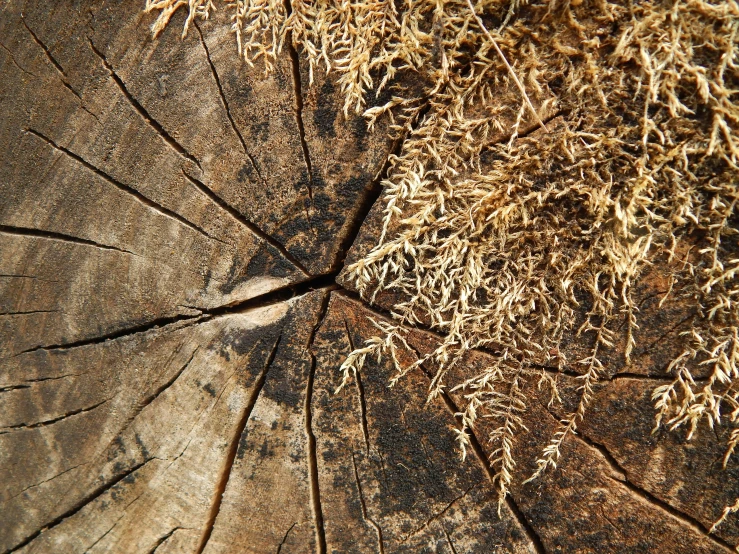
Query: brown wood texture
[172, 320]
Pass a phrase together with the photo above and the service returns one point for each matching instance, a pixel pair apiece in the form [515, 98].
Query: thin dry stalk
[514, 241]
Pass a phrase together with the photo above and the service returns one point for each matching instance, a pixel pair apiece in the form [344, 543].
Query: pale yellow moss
[499, 245]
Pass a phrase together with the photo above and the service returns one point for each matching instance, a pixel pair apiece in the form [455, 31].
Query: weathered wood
[172, 222]
[616, 488]
[389, 472]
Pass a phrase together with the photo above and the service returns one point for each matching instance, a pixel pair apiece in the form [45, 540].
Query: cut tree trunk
[172, 227]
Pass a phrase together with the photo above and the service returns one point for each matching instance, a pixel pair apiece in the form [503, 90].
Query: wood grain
[172, 321]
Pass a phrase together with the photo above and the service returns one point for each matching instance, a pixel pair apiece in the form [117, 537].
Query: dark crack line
[96, 493]
[182, 452]
[284, 539]
[439, 514]
[548, 369]
[363, 406]
[146, 201]
[42, 379]
[30, 312]
[153, 123]
[360, 393]
[213, 403]
[387, 314]
[684, 518]
[416, 326]
[191, 307]
[315, 489]
[57, 66]
[372, 194]
[45, 481]
[38, 233]
[650, 296]
[101, 537]
[14, 387]
[282, 294]
[23, 426]
[239, 217]
[226, 106]
[233, 449]
[608, 519]
[420, 327]
[366, 203]
[608, 457]
[123, 333]
[531, 533]
[523, 521]
[163, 539]
[449, 541]
[276, 296]
[639, 377]
[575, 375]
[297, 86]
[648, 497]
[363, 505]
[153, 396]
[535, 127]
[52, 59]
[21, 276]
[382, 467]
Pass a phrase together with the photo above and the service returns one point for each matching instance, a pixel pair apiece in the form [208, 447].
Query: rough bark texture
[172, 223]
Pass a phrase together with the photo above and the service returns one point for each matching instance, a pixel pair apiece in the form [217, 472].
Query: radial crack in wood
[172, 223]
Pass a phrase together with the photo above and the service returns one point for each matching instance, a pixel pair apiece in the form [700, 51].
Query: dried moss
[499, 245]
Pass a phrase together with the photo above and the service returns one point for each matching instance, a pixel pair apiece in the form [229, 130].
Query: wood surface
[173, 224]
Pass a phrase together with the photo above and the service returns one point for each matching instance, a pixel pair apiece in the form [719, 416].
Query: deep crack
[363, 505]
[51, 58]
[360, 393]
[39, 233]
[284, 538]
[226, 106]
[233, 448]
[238, 216]
[96, 493]
[298, 88]
[153, 123]
[684, 518]
[267, 299]
[47, 422]
[315, 489]
[650, 498]
[163, 539]
[29, 312]
[476, 447]
[148, 202]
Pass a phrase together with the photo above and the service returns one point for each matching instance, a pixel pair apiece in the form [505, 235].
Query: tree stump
[173, 224]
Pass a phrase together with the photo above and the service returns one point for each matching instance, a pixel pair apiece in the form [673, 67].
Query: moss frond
[498, 232]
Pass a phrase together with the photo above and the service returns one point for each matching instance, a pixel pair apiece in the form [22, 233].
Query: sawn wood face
[172, 224]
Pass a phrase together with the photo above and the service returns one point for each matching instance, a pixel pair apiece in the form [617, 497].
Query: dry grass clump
[500, 244]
